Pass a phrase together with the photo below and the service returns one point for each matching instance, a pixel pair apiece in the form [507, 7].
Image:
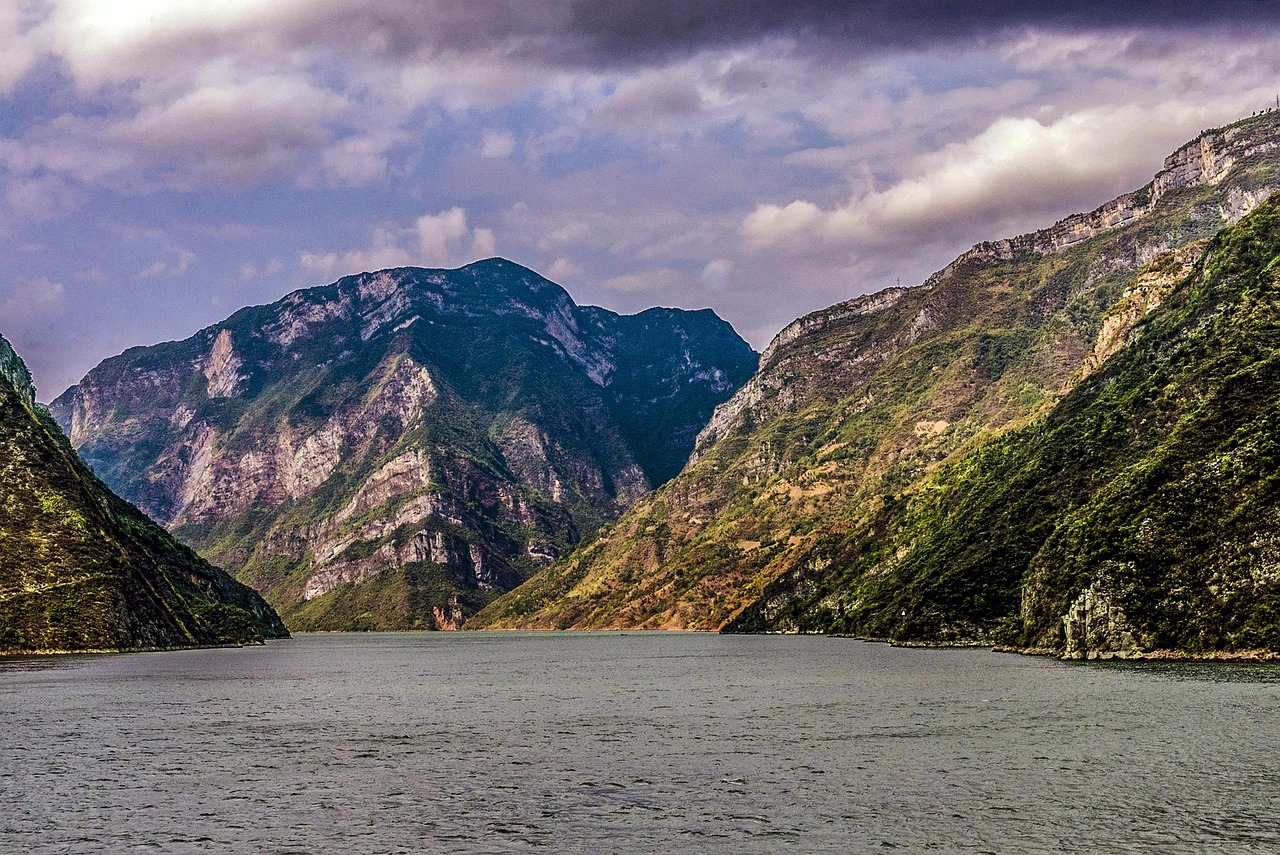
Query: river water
[637, 743]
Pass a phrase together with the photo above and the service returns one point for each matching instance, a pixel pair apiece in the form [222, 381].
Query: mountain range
[396, 449]
[1062, 442]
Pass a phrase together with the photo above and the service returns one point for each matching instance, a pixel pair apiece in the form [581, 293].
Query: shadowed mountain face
[82, 570]
[397, 448]
[855, 485]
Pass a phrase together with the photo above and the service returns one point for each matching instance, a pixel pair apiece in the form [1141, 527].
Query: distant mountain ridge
[81, 570]
[783, 519]
[396, 448]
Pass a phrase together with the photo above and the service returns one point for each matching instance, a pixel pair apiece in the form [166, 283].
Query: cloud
[716, 274]
[239, 133]
[105, 42]
[561, 269]
[644, 281]
[250, 272]
[176, 264]
[497, 145]
[1016, 173]
[19, 48]
[434, 240]
[655, 95]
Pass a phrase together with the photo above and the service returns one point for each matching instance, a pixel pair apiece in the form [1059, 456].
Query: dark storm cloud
[606, 34]
[610, 32]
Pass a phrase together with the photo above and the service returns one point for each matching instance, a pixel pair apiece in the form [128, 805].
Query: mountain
[792, 508]
[1140, 515]
[82, 570]
[397, 448]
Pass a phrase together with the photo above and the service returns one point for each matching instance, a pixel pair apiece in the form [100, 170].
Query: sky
[166, 162]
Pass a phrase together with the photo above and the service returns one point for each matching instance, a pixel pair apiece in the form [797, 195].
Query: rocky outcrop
[14, 370]
[469, 425]
[1205, 161]
[1095, 627]
[779, 383]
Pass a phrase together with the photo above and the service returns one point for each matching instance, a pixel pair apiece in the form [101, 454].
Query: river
[632, 743]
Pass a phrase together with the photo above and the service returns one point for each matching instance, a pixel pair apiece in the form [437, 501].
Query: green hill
[82, 570]
[1139, 515]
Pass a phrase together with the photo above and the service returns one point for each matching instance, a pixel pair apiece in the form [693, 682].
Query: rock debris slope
[396, 449]
[804, 506]
[82, 570]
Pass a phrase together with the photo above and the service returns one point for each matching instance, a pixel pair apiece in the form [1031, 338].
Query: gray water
[598, 743]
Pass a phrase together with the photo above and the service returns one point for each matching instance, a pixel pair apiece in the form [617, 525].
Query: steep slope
[855, 404]
[82, 570]
[397, 448]
[1140, 515]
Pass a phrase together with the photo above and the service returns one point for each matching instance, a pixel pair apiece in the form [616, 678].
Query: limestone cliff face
[368, 451]
[774, 525]
[1205, 161]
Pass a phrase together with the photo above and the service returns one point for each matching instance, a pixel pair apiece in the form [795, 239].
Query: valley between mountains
[1064, 442]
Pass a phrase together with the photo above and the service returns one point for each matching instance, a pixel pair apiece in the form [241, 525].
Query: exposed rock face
[82, 570]
[1095, 627]
[14, 370]
[1206, 160]
[367, 451]
[791, 515]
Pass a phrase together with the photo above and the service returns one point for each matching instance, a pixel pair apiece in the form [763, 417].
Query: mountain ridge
[458, 427]
[857, 403]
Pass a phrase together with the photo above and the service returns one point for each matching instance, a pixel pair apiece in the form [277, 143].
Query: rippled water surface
[640, 743]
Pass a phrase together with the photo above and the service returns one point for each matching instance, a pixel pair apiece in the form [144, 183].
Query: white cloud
[249, 271]
[242, 132]
[561, 269]
[1014, 174]
[32, 300]
[655, 95]
[497, 145]
[20, 47]
[716, 274]
[648, 280]
[434, 240]
[177, 262]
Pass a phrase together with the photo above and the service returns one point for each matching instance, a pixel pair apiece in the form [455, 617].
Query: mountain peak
[13, 369]
[368, 449]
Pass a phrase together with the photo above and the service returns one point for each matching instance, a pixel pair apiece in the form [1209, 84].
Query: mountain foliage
[880, 475]
[82, 570]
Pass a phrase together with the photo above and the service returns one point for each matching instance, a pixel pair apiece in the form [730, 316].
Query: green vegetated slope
[82, 570]
[398, 448]
[1141, 514]
[855, 406]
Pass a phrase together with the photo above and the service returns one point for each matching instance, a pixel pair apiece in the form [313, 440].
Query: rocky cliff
[81, 570]
[405, 444]
[856, 407]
